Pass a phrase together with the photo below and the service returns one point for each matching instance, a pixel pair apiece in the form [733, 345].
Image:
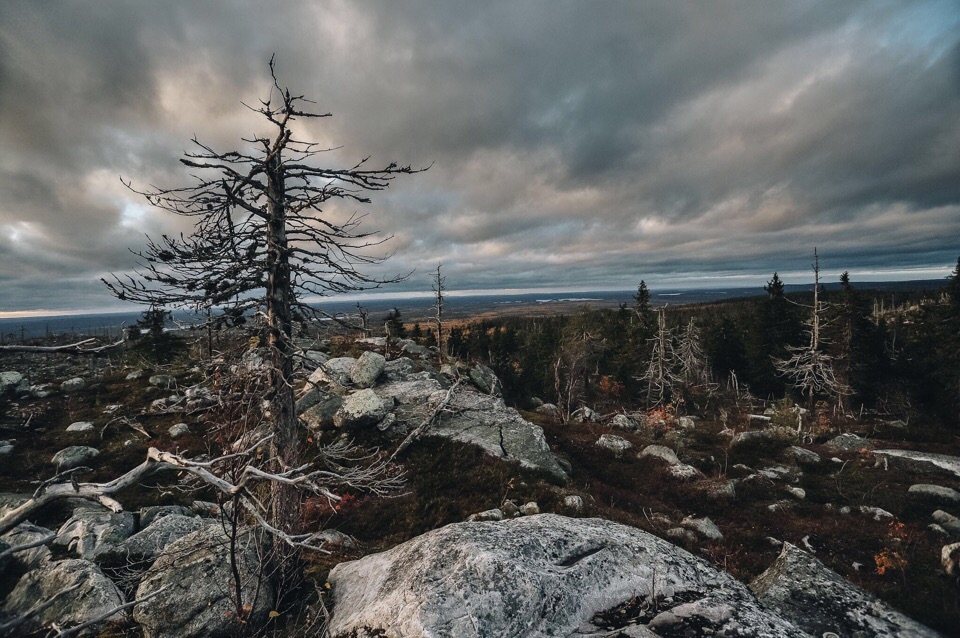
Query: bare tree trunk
[438, 288]
[285, 446]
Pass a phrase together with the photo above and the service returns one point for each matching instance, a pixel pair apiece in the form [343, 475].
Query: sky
[571, 145]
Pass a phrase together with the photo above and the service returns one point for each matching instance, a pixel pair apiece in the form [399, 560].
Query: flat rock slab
[542, 576]
[485, 421]
[819, 600]
[928, 460]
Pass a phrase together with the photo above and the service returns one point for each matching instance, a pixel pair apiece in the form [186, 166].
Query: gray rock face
[485, 421]
[153, 512]
[368, 368]
[196, 571]
[360, 409]
[320, 414]
[74, 456]
[73, 385]
[927, 460]
[934, 493]
[818, 600]
[144, 546]
[661, 452]
[26, 533]
[540, 576]
[848, 443]
[485, 379]
[91, 531]
[335, 372]
[95, 596]
[10, 381]
[616, 444]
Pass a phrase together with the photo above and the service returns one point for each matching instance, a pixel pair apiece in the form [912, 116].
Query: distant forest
[900, 361]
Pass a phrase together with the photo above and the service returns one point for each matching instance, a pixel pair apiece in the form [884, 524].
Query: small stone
[849, 442]
[686, 423]
[950, 559]
[549, 409]
[948, 522]
[573, 502]
[703, 526]
[529, 509]
[510, 509]
[616, 444]
[74, 456]
[623, 422]
[801, 455]
[80, 426]
[877, 513]
[684, 472]
[334, 538]
[163, 381]
[178, 430]
[73, 385]
[796, 492]
[6, 447]
[661, 452]
[488, 515]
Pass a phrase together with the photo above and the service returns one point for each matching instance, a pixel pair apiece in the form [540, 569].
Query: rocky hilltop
[510, 523]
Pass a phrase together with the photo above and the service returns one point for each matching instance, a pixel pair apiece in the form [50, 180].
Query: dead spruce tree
[809, 368]
[660, 376]
[261, 244]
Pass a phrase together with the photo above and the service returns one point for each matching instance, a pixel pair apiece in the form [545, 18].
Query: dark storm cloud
[573, 144]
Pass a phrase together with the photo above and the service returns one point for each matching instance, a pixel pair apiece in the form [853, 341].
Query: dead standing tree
[261, 245]
[660, 376]
[439, 285]
[809, 368]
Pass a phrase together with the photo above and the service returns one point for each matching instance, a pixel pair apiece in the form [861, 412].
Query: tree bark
[285, 446]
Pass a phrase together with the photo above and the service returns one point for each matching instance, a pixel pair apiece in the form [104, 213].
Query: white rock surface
[616, 444]
[819, 600]
[538, 577]
[943, 461]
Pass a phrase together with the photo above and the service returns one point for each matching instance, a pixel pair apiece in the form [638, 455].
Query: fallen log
[71, 348]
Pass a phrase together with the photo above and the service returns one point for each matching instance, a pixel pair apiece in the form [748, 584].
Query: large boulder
[367, 369]
[485, 421]
[24, 534]
[12, 382]
[74, 456]
[360, 409]
[93, 530]
[924, 460]
[819, 600]
[934, 494]
[320, 414]
[196, 574]
[335, 372]
[144, 546]
[485, 379]
[95, 595]
[539, 576]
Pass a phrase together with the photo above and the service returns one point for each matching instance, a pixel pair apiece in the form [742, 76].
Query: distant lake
[418, 309]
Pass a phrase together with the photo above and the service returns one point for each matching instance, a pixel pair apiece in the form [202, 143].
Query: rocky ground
[512, 523]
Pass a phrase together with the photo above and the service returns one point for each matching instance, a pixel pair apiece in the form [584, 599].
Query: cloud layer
[574, 145]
